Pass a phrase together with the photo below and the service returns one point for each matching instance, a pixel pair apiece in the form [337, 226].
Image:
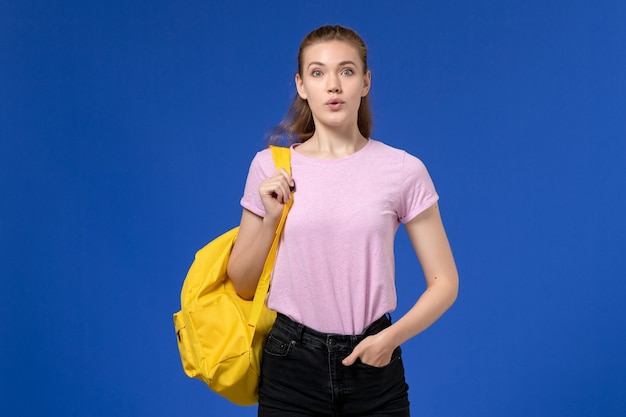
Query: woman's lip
[334, 101]
[335, 105]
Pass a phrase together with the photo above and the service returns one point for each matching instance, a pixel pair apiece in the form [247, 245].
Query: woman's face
[333, 81]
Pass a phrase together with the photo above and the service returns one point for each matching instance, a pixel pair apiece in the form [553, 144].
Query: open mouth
[334, 102]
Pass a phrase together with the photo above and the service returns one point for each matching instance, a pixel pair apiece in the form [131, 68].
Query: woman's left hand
[374, 350]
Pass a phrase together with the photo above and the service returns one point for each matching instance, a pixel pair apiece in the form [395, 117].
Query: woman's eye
[316, 73]
[347, 71]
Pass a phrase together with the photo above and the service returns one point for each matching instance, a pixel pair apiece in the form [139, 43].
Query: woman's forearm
[429, 307]
[248, 258]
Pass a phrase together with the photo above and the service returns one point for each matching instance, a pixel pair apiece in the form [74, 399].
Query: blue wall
[126, 130]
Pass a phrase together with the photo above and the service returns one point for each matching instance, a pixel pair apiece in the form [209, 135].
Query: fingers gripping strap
[282, 159]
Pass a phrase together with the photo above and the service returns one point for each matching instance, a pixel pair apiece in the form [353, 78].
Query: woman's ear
[300, 87]
[367, 82]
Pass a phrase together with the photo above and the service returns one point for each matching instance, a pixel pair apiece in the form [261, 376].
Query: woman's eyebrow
[321, 64]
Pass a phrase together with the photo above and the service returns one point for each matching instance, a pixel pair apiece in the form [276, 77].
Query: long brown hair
[298, 125]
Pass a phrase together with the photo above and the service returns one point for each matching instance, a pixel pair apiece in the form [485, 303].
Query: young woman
[333, 350]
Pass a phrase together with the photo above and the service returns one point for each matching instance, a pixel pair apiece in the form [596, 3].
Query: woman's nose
[333, 85]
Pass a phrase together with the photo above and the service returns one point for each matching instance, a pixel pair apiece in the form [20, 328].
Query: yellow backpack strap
[282, 159]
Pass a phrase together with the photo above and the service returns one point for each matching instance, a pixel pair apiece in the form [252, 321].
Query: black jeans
[302, 375]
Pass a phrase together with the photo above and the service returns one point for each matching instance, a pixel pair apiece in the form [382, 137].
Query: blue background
[127, 128]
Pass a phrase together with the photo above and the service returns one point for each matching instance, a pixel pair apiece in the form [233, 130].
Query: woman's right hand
[275, 192]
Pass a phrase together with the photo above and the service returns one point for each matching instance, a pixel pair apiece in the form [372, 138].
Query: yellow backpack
[221, 335]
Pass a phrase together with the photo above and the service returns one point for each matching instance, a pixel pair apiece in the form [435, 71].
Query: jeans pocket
[395, 357]
[277, 346]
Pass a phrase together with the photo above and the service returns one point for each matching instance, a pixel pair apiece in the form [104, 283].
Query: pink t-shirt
[334, 269]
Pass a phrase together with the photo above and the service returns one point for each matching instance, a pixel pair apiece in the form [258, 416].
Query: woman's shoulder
[408, 165]
[263, 159]
[382, 149]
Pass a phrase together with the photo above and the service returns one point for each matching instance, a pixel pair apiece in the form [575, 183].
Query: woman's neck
[332, 144]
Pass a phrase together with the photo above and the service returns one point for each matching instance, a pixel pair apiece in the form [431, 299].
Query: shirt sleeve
[418, 190]
[261, 167]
